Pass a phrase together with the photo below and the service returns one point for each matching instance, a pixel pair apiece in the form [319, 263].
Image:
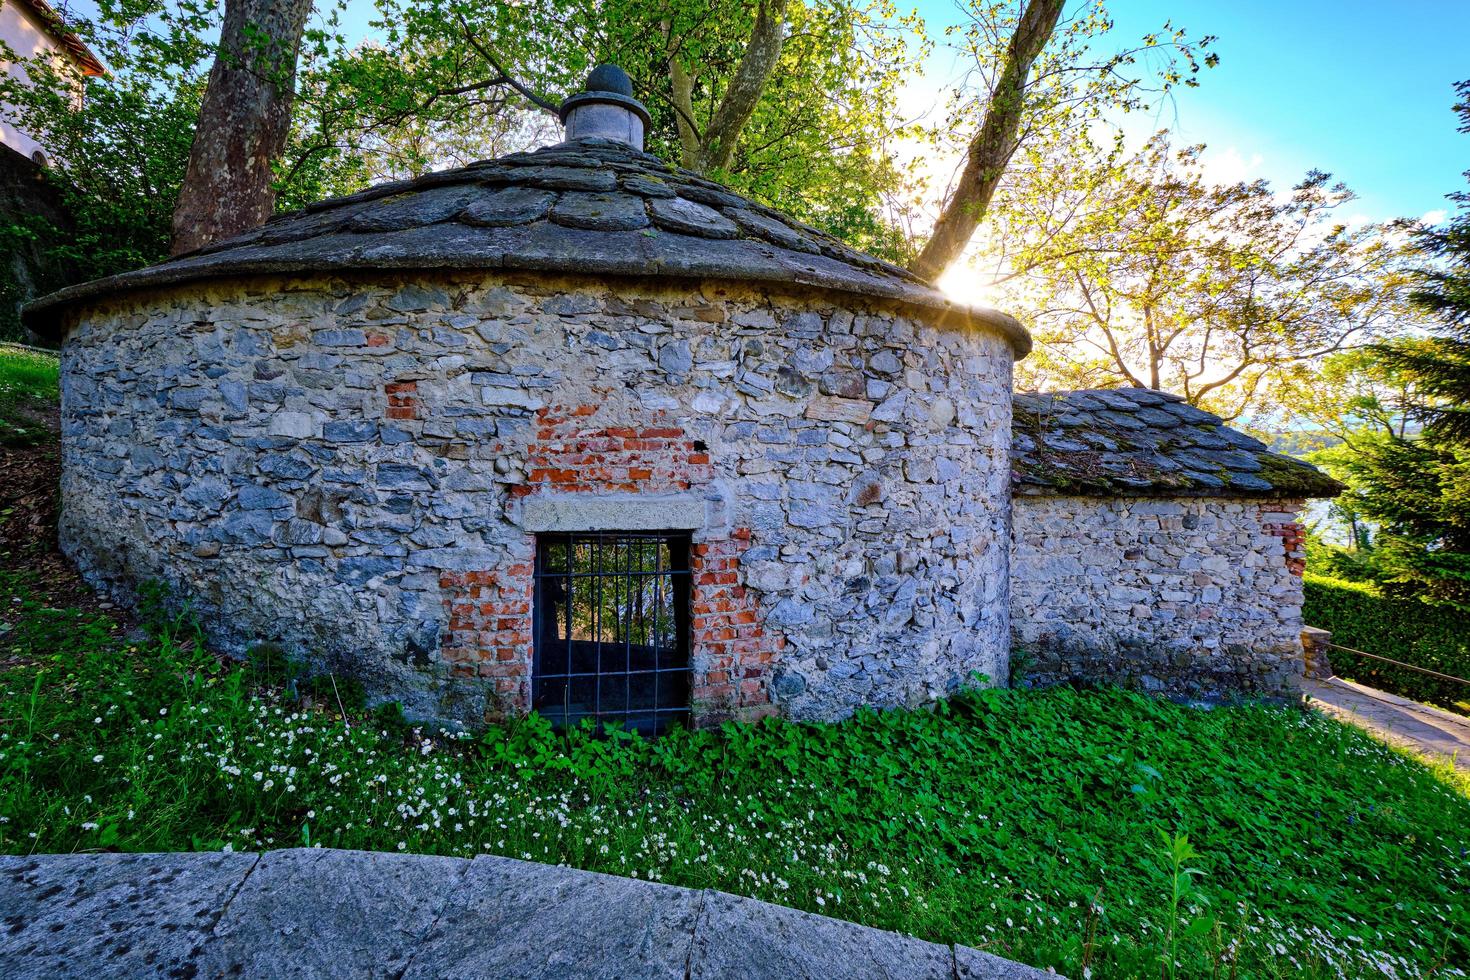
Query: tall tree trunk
[990, 151]
[715, 147]
[243, 123]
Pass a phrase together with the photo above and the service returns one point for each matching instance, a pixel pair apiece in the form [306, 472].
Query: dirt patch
[30, 503]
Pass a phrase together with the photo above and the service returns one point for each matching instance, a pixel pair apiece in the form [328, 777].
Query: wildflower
[98, 757]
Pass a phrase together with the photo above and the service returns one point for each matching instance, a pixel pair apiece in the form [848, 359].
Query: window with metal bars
[612, 629]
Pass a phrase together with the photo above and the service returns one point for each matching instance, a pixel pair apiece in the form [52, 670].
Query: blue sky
[1360, 89]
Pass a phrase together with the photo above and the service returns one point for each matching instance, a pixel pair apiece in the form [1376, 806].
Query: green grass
[1046, 826]
[29, 387]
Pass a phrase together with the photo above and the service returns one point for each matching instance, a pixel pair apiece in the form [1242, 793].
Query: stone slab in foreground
[112, 915]
[323, 913]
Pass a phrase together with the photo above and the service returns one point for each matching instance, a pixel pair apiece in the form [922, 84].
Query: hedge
[1360, 616]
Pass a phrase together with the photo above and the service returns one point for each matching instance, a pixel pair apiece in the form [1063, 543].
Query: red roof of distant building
[53, 22]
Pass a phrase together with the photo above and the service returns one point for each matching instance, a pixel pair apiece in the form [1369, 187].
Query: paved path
[323, 913]
[1417, 727]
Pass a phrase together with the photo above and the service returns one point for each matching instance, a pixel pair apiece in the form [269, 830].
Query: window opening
[612, 629]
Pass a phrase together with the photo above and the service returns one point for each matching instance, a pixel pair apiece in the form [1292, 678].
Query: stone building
[569, 429]
[1154, 546]
[577, 431]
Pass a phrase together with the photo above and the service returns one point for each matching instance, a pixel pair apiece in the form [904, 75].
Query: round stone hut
[572, 430]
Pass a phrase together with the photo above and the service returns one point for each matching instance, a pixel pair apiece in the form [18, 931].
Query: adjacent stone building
[569, 429]
[1154, 546]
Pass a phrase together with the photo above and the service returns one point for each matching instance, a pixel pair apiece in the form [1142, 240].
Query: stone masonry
[1195, 596]
[353, 467]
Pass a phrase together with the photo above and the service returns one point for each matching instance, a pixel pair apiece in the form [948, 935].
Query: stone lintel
[611, 512]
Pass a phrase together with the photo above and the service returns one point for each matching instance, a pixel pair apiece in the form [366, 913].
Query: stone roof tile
[590, 206]
[1140, 442]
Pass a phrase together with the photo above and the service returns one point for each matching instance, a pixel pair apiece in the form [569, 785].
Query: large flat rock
[740, 938]
[112, 915]
[512, 919]
[323, 913]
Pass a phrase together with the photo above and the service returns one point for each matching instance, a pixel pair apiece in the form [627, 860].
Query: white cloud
[1230, 165]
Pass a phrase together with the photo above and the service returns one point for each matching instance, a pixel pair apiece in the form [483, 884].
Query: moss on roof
[1141, 442]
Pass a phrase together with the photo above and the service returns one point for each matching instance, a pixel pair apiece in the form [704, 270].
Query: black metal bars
[612, 629]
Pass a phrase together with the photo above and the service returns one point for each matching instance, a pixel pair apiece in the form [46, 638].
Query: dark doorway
[612, 629]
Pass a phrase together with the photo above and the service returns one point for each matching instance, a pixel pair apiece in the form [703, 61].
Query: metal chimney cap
[607, 85]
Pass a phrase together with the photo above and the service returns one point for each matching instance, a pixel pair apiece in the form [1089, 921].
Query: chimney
[606, 108]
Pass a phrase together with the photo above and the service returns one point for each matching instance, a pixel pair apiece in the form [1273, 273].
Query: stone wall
[355, 469]
[1195, 596]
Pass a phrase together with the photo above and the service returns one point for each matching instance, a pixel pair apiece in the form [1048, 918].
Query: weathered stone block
[585, 926]
[739, 937]
[325, 913]
[115, 915]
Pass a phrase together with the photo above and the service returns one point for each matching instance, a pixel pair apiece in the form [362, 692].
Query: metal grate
[612, 629]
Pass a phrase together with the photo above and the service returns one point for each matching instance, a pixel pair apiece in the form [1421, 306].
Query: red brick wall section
[732, 652]
[490, 622]
[403, 399]
[489, 634]
[1279, 520]
[572, 454]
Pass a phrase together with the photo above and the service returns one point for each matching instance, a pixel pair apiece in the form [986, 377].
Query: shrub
[1361, 616]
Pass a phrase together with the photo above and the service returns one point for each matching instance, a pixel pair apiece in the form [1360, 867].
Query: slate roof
[590, 206]
[1140, 442]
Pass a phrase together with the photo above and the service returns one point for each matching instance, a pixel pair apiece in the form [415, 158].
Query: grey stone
[600, 212]
[413, 297]
[296, 425]
[112, 915]
[611, 512]
[568, 179]
[255, 497]
[325, 913]
[677, 214]
[789, 613]
[189, 399]
[647, 185]
[740, 938]
[208, 493]
[411, 210]
[675, 358]
[352, 430]
[885, 362]
[508, 206]
[772, 230]
[398, 476]
[521, 920]
[340, 338]
[974, 964]
[789, 683]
